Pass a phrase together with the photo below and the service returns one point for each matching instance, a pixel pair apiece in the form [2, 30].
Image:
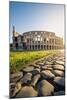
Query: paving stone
[41, 64]
[47, 74]
[60, 62]
[48, 67]
[60, 81]
[59, 93]
[36, 71]
[27, 78]
[61, 59]
[35, 79]
[49, 59]
[55, 58]
[48, 63]
[16, 76]
[27, 91]
[58, 67]
[12, 85]
[35, 75]
[28, 69]
[58, 73]
[35, 65]
[45, 88]
[16, 89]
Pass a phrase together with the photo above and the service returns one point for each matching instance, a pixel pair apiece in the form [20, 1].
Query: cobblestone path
[45, 77]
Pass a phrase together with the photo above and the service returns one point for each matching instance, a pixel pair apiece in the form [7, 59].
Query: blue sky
[36, 16]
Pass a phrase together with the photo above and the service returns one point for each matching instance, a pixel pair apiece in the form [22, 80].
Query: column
[34, 45]
[46, 44]
[40, 43]
[37, 43]
[43, 43]
[54, 43]
[31, 45]
[49, 47]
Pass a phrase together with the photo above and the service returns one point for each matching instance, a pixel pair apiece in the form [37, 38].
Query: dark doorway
[50, 47]
[32, 47]
[16, 45]
[38, 47]
[24, 45]
[16, 39]
[41, 47]
[35, 47]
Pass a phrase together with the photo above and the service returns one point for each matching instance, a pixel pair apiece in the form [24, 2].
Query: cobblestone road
[46, 77]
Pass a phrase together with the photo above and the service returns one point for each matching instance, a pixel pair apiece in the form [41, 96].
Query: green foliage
[19, 59]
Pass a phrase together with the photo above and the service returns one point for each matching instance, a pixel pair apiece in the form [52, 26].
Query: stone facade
[36, 40]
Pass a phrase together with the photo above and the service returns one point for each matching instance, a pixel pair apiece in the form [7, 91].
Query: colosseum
[36, 40]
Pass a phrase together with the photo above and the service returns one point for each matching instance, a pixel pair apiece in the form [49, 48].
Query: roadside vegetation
[19, 59]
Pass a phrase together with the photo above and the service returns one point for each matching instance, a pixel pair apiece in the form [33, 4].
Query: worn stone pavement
[45, 77]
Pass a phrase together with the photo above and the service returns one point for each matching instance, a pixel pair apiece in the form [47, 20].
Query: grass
[19, 59]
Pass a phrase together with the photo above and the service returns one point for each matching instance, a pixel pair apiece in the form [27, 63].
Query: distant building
[36, 40]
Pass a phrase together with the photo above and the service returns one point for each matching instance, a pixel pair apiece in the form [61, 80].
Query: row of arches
[43, 47]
